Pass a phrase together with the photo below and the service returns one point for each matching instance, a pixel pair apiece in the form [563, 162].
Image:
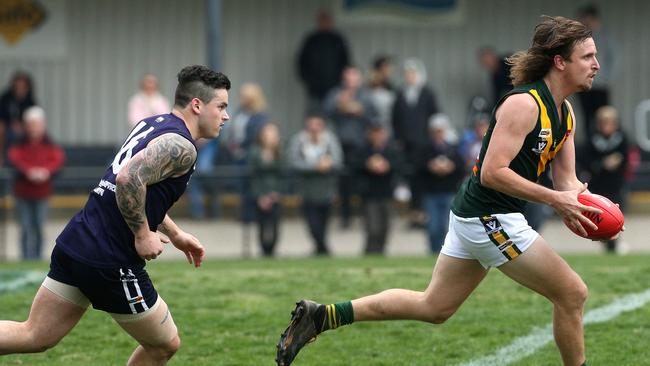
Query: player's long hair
[553, 36]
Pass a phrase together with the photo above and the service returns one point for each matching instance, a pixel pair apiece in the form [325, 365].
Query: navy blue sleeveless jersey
[98, 235]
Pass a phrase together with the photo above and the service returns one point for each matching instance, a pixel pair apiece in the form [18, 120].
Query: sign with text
[30, 29]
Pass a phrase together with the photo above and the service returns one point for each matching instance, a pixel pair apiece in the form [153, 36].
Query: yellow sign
[18, 17]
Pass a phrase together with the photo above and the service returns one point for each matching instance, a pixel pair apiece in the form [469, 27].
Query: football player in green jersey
[532, 125]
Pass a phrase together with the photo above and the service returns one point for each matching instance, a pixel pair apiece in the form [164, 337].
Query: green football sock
[333, 316]
[584, 363]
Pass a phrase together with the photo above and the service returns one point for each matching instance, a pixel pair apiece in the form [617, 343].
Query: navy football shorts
[125, 290]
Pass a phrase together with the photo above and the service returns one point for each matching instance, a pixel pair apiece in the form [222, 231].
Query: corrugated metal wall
[112, 43]
[261, 39]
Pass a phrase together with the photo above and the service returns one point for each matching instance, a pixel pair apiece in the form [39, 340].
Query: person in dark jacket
[414, 104]
[13, 103]
[36, 160]
[321, 60]
[266, 164]
[377, 165]
[350, 108]
[606, 160]
[499, 71]
[441, 169]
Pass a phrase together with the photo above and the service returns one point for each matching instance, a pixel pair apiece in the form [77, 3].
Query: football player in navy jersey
[99, 257]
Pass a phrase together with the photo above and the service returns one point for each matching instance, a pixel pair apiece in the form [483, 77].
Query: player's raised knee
[165, 350]
[170, 348]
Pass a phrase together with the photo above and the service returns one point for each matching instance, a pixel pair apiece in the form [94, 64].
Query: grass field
[232, 312]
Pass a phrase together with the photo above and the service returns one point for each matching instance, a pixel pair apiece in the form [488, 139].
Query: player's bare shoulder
[518, 111]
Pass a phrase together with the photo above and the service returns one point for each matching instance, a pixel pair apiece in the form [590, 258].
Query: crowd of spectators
[366, 141]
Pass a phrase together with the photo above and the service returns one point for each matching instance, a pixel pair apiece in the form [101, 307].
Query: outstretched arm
[168, 155]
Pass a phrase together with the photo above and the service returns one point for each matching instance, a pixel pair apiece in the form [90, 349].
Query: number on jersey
[126, 152]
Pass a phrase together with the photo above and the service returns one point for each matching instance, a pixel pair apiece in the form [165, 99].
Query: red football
[609, 222]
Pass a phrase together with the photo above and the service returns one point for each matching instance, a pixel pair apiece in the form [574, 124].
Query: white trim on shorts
[123, 318]
[469, 238]
[67, 292]
[73, 295]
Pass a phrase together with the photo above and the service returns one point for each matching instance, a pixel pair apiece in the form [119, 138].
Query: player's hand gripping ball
[609, 223]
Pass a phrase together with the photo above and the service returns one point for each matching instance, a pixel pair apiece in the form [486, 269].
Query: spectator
[208, 152]
[382, 92]
[321, 60]
[472, 140]
[240, 135]
[414, 105]
[606, 160]
[598, 96]
[267, 179]
[350, 108]
[377, 163]
[13, 103]
[147, 101]
[442, 169]
[499, 72]
[36, 159]
[315, 154]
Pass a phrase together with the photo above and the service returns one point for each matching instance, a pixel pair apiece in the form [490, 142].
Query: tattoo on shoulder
[167, 156]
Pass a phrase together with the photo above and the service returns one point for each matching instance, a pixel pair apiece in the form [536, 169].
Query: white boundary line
[22, 280]
[527, 345]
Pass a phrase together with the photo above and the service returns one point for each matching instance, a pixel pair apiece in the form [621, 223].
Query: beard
[586, 86]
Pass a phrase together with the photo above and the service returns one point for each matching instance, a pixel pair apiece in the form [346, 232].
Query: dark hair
[380, 61]
[314, 114]
[22, 75]
[553, 36]
[198, 81]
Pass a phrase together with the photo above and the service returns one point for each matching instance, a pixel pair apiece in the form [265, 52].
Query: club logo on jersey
[542, 141]
[491, 224]
[540, 145]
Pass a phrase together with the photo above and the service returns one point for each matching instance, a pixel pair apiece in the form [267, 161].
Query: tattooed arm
[169, 155]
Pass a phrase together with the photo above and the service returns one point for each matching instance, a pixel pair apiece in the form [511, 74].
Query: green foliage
[231, 312]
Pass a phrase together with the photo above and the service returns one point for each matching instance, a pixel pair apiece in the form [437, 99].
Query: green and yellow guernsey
[538, 150]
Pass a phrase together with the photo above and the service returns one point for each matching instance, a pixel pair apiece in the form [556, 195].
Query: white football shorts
[492, 240]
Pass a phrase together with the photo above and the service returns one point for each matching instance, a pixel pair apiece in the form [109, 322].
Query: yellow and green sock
[333, 316]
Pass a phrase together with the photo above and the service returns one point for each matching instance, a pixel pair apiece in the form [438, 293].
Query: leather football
[609, 223]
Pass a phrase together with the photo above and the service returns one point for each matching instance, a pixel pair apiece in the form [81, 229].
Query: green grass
[232, 312]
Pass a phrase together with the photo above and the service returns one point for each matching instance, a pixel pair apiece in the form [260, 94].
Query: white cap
[439, 121]
[34, 113]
